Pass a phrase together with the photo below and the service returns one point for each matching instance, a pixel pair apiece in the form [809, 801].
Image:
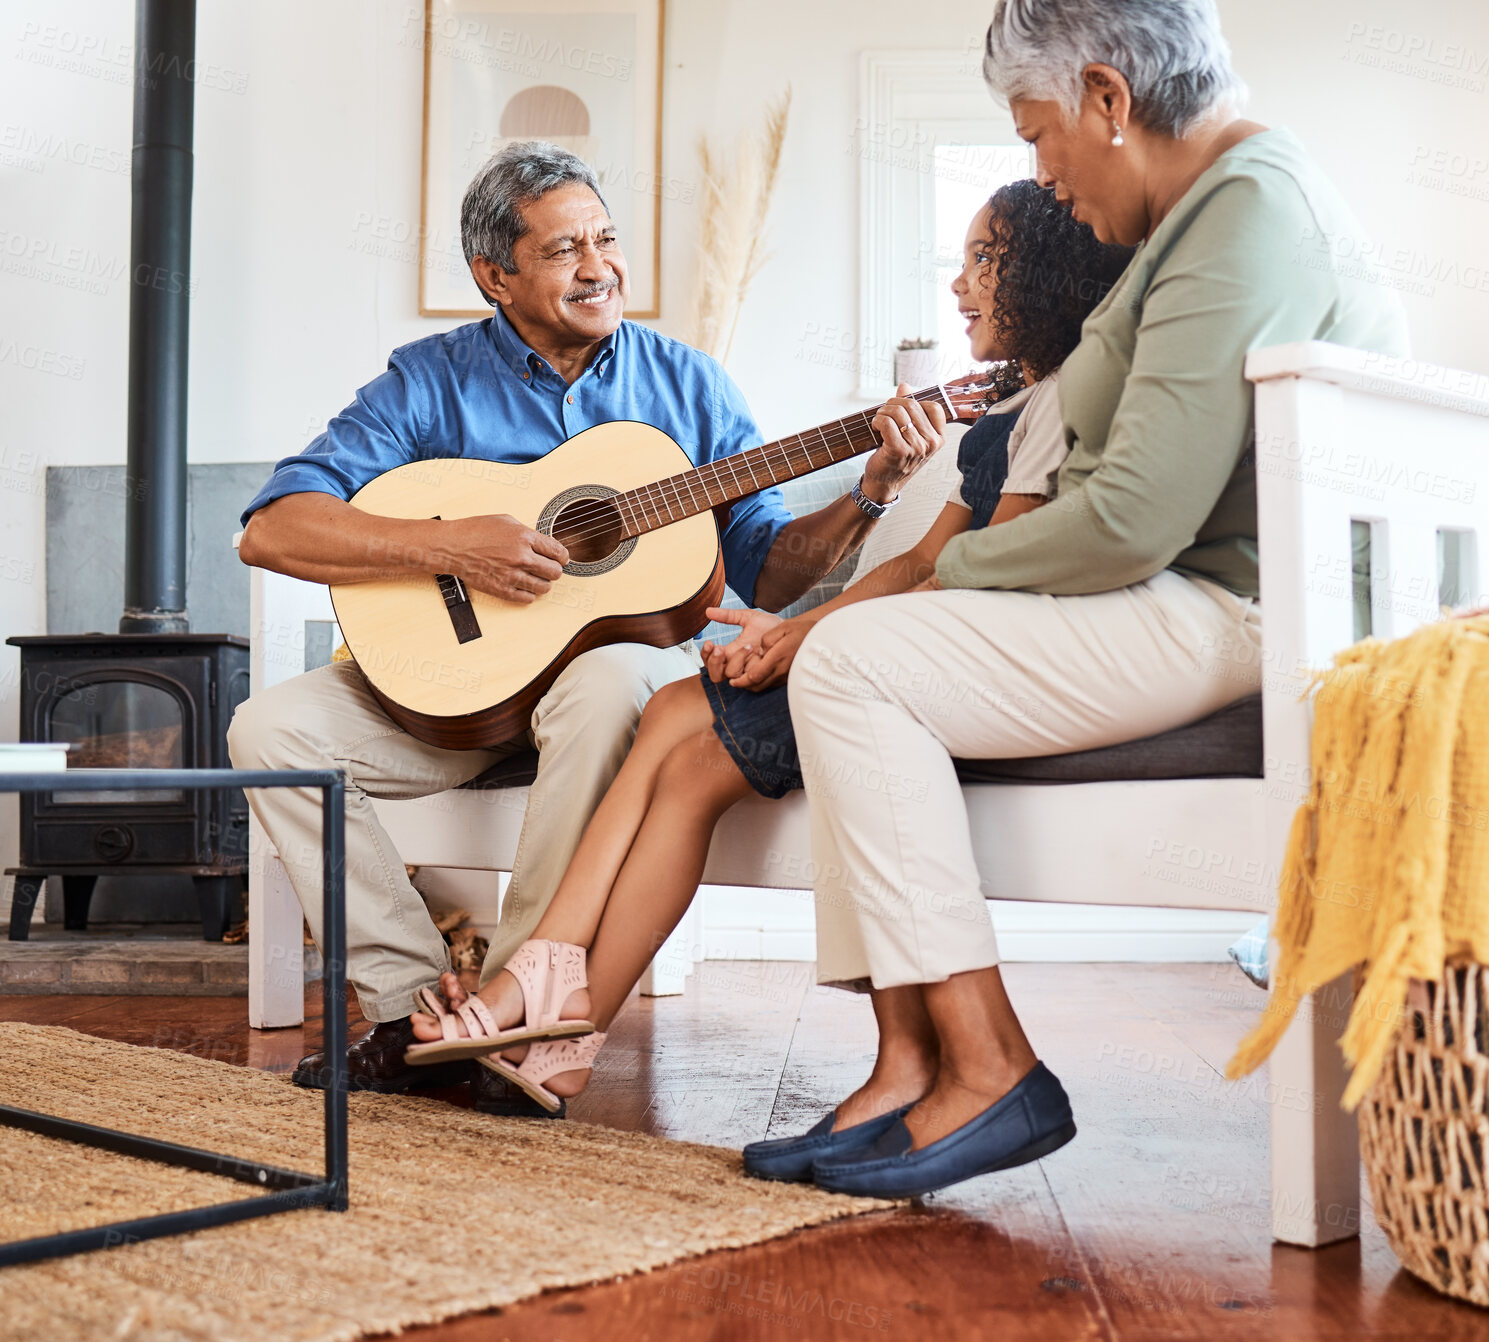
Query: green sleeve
[1237, 279]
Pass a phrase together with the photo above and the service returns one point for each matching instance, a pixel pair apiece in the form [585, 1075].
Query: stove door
[117, 717]
[119, 724]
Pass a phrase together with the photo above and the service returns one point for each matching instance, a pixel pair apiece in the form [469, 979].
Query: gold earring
[1116, 132]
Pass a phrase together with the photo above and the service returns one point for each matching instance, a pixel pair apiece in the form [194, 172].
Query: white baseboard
[753, 943]
[745, 924]
[1092, 933]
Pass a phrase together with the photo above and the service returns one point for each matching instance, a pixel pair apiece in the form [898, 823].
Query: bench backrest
[1345, 441]
[1373, 513]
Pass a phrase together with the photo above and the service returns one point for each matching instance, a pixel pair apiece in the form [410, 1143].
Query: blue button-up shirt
[479, 391]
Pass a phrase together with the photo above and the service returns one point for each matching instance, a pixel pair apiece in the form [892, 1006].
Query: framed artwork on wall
[583, 74]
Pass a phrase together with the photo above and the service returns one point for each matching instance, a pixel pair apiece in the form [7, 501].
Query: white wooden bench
[1343, 438]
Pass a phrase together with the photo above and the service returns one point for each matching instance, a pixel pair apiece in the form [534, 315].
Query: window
[932, 144]
[966, 175]
[1457, 562]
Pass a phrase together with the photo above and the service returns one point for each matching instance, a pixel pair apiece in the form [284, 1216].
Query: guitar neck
[743, 473]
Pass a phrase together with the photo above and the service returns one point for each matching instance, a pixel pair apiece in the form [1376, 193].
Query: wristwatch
[867, 506]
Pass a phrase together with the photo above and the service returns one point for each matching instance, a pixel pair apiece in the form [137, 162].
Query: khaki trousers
[885, 693]
[327, 718]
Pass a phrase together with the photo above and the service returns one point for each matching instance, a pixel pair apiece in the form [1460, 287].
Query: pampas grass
[737, 192]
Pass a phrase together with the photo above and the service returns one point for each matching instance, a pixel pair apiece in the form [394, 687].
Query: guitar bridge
[457, 602]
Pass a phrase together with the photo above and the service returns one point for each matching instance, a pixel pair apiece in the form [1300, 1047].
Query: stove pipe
[160, 271]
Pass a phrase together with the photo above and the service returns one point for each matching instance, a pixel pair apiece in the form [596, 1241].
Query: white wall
[307, 189]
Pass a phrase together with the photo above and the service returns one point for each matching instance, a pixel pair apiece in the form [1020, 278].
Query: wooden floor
[1151, 1224]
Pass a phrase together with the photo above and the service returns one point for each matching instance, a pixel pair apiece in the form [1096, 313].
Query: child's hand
[725, 661]
[771, 667]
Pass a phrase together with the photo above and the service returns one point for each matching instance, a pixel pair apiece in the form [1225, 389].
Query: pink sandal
[431, 1003]
[547, 972]
[544, 1060]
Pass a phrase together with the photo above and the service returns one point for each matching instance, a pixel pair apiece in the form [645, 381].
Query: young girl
[1030, 275]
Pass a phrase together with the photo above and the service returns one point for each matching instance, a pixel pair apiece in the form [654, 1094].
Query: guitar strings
[712, 473]
[652, 497]
[598, 518]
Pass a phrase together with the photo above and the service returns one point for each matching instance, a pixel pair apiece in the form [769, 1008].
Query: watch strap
[866, 505]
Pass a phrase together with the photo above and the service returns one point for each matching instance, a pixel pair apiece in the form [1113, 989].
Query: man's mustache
[591, 292]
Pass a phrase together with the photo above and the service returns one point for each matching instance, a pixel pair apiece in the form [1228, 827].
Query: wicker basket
[1424, 1130]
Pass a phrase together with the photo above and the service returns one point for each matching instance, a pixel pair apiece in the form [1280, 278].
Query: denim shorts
[755, 728]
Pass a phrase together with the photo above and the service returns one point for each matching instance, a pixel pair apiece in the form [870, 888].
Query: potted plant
[915, 361]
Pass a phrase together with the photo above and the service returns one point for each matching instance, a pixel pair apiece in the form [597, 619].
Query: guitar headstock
[965, 399]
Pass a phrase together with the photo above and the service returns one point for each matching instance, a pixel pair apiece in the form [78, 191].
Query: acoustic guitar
[461, 669]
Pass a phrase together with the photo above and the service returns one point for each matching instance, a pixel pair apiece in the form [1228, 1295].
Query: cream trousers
[327, 718]
[885, 693]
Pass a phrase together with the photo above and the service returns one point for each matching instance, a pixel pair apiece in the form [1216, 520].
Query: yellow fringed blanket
[1388, 860]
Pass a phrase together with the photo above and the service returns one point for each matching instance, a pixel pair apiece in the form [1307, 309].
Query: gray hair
[491, 219]
[1171, 52]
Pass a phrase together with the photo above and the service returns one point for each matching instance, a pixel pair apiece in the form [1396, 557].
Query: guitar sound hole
[590, 529]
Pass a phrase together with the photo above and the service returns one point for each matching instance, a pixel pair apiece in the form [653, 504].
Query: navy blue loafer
[790, 1158]
[1032, 1120]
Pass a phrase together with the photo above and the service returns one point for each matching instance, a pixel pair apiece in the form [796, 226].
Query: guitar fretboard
[733, 477]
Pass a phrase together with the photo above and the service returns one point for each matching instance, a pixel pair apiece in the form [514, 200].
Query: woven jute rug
[535, 1204]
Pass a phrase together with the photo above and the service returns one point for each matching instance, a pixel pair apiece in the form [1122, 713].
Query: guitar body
[461, 669]
[650, 588]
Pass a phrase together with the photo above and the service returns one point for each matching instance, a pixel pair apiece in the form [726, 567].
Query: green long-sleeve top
[1261, 250]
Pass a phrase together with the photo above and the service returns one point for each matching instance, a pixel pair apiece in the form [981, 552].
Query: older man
[555, 358]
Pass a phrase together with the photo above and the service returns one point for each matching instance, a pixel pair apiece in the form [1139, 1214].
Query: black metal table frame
[292, 1188]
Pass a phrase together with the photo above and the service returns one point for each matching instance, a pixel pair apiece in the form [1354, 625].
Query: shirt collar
[524, 361]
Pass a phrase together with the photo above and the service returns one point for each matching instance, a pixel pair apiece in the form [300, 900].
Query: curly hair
[1049, 272]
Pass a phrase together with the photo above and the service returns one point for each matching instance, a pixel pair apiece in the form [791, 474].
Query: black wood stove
[153, 695]
[131, 701]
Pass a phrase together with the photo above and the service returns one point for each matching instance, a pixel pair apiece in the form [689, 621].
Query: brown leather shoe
[375, 1062]
[494, 1094]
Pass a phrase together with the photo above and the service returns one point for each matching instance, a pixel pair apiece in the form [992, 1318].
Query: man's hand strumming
[504, 557]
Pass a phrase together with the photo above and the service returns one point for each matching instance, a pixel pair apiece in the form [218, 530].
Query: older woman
[1125, 607]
